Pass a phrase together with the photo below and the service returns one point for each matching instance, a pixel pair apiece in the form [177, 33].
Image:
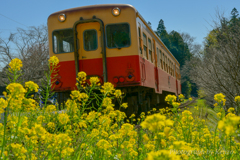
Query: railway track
[187, 103]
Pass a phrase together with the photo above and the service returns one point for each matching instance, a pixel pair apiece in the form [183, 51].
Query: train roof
[100, 6]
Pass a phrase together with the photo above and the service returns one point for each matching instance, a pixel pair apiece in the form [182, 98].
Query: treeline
[216, 69]
[182, 46]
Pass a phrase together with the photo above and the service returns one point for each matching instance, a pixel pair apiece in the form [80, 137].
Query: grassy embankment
[201, 110]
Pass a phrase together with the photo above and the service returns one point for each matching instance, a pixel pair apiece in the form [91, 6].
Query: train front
[100, 40]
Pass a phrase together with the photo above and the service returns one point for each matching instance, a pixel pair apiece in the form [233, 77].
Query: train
[116, 44]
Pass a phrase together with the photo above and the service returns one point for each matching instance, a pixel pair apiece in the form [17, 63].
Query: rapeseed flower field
[84, 131]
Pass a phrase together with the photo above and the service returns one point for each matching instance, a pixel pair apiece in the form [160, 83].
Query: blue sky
[190, 16]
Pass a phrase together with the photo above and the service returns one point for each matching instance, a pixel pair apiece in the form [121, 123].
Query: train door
[89, 48]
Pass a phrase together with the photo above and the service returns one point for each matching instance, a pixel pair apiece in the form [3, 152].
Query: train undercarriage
[140, 99]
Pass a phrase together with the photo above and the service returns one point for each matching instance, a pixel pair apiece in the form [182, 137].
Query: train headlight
[116, 11]
[62, 17]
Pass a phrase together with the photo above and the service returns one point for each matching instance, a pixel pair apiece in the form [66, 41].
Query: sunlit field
[91, 127]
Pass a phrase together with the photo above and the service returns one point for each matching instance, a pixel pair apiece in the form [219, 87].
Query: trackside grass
[93, 128]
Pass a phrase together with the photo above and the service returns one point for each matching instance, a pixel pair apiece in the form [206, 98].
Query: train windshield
[118, 35]
[63, 41]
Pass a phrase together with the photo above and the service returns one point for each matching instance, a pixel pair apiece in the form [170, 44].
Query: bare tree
[31, 46]
[216, 70]
[193, 47]
[6, 54]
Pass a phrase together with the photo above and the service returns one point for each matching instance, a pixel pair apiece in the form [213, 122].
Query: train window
[169, 66]
[174, 70]
[166, 64]
[153, 53]
[163, 62]
[90, 40]
[63, 41]
[150, 50]
[139, 34]
[161, 58]
[145, 45]
[118, 35]
[158, 57]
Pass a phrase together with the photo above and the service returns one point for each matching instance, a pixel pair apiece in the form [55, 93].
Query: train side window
[63, 41]
[90, 40]
[118, 35]
[163, 67]
[166, 63]
[153, 53]
[158, 57]
[150, 50]
[161, 59]
[174, 70]
[169, 66]
[139, 34]
[144, 45]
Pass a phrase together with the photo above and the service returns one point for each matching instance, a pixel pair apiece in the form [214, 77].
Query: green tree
[234, 13]
[161, 27]
[179, 48]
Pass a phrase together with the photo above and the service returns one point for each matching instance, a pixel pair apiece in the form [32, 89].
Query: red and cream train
[116, 44]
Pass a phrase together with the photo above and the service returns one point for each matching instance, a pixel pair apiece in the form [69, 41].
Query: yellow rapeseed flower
[31, 86]
[107, 102]
[16, 89]
[237, 99]
[94, 81]
[219, 114]
[3, 104]
[231, 110]
[51, 126]
[181, 96]
[18, 150]
[124, 105]
[81, 76]
[51, 108]
[63, 118]
[88, 153]
[75, 94]
[118, 93]
[103, 144]
[53, 61]
[15, 65]
[167, 131]
[107, 88]
[162, 154]
[155, 122]
[220, 98]
[170, 98]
